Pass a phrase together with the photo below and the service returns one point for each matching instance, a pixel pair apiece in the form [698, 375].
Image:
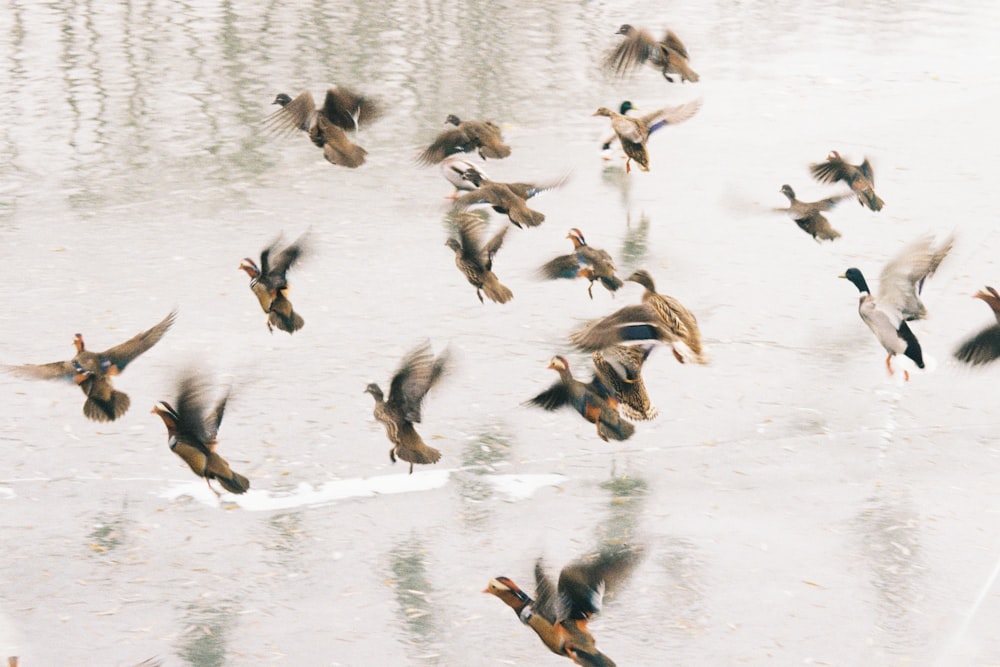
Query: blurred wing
[634, 49]
[834, 169]
[349, 110]
[417, 372]
[866, 169]
[121, 355]
[982, 348]
[298, 114]
[564, 266]
[584, 583]
[552, 398]
[215, 419]
[191, 409]
[674, 43]
[448, 142]
[671, 115]
[902, 278]
[57, 370]
[545, 604]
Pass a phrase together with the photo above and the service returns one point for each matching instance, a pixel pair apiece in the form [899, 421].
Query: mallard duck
[342, 110]
[455, 169]
[585, 261]
[633, 132]
[808, 215]
[609, 139]
[560, 613]
[596, 402]
[859, 178]
[92, 371]
[620, 368]
[269, 282]
[669, 55]
[506, 198]
[898, 300]
[192, 431]
[984, 346]
[417, 373]
[474, 258]
[466, 136]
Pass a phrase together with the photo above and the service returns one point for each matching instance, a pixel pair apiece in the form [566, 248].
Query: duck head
[473, 176]
[576, 236]
[643, 278]
[250, 267]
[625, 107]
[454, 244]
[282, 99]
[788, 192]
[603, 111]
[508, 591]
[559, 363]
[856, 277]
[452, 119]
[625, 29]
[78, 343]
[374, 390]
[167, 413]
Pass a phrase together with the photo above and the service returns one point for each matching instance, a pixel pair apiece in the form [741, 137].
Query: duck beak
[842, 276]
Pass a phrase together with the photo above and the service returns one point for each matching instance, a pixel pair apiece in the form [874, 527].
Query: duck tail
[495, 290]
[109, 410]
[619, 430]
[612, 283]
[873, 201]
[235, 484]
[913, 351]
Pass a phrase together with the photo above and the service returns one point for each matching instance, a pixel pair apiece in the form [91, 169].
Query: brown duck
[859, 178]
[584, 262]
[595, 401]
[506, 198]
[474, 258]
[669, 55]
[620, 368]
[809, 215]
[466, 136]
[984, 346]
[192, 431]
[269, 283]
[417, 373]
[342, 110]
[92, 371]
[560, 613]
[633, 131]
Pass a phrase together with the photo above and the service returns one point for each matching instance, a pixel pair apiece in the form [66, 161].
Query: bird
[342, 109]
[984, 346]
[506, 198]
[482, 136]
[808, 215]
[658, 318]
[585, 261]
[625, 108]
[559, 614]
[669, 55]
[859, 178]
[898, 300]
[595, 401]
[269, 282]
[455, 167]
[633, 132]
[474, 258]
[417, 373]
[192, 430]
[92, 371]
[619, 368]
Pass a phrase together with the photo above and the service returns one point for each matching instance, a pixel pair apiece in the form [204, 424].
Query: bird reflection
[206, 635]
[479, 457]
[414, 594]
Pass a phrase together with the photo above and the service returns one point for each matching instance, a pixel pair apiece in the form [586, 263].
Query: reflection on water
[628, 494]
[285, 539]
[413, 591]
[109, 531]
[684, 586]
[479, 457]
[205, 638]
[889, 530]
[634, 245]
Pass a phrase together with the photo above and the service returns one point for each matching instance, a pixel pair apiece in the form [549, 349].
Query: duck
[506, 198]
[474, 258]
[809, 215]
[192, 432]
[669, 55]
[454, 169]
[860, 178]
[342, 109]
[585, 261]
[417, 373]
[482, 136]
[269, 282]
[984, 346]
[92, 371]
[595, 401]
[898, 300]
[625, 108]
[560, 613]
[619, 368]
[633, 132]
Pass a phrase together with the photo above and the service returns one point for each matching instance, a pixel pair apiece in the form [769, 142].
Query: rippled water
[795, 504]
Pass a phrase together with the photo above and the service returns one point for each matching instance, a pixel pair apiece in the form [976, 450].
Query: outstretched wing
[120, 355]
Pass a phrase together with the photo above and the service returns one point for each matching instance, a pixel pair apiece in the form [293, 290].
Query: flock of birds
[620, 342]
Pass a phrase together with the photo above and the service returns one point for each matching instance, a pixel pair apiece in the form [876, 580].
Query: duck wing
[299, 114]
[981, 348]
[120, 355]
[902, 279]
[348, 109]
